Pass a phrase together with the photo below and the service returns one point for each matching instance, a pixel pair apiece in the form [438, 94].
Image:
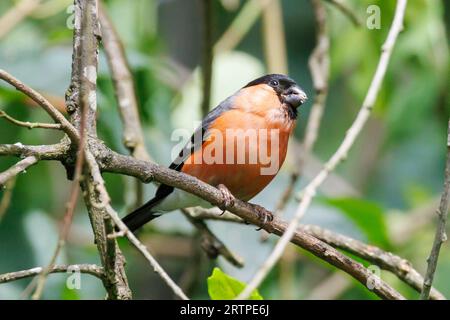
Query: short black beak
[294, 96]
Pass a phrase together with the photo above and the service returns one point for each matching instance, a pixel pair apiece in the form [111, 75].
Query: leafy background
[393, 175]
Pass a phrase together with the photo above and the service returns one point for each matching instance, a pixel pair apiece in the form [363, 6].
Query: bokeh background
[384, 194]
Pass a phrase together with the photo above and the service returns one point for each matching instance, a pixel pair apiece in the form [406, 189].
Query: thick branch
[113, 162]
[145, 171]
[91, 269]
[440, 236]
[44, 152]
[113, 261]
[402, 268]
[84, 65]
[81, 103]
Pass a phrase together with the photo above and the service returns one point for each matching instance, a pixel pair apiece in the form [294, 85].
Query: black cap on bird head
[286, 88]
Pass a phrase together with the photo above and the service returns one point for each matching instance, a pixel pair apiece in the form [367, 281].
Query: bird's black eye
[274, 83]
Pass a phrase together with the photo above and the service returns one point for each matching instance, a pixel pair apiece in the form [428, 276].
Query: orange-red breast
[240, 146]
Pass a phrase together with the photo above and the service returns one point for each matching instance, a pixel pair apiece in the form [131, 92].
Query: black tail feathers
[141, 215]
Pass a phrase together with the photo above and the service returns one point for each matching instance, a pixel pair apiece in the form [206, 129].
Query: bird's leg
[227, 196]
[263, 214]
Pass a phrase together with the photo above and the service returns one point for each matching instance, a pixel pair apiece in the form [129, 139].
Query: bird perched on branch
[238, 148]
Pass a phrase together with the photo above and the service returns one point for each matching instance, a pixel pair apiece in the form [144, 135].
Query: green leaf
[224, 287]
[367, 215]
[69, 294]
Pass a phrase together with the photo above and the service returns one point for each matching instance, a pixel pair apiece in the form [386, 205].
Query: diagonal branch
[19, 167]
[440, 236]
[319, 65]
[402, 268]
[347, 11]
[113, 162]
[13, 16]
[102, 203]
[340, 154]
[6, 198]
[133, 137]
[240, 26]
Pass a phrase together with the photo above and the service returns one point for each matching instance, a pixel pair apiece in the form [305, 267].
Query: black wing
[143, 214]
[201, 133]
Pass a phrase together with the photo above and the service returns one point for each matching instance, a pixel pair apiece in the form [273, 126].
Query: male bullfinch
[239, 147]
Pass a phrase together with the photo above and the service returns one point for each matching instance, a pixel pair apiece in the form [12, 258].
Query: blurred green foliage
[397, 164]
[368, 216]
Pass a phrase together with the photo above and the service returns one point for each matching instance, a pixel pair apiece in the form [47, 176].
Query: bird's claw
[264, 215]
[227, 198]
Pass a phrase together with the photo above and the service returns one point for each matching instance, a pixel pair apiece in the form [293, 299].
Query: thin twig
[133, 137]
[402, 268]
[274, 38]
[338, 156]
[70, 210]
[347, 11]
[105, 203]
[319, 65]
[30, 125]
[210, 243]
[91, 269]
[19, 167]
[85, 102]
[440, 236]
[124, 89]
[240, 26]
[66, 126]
[146, 171]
